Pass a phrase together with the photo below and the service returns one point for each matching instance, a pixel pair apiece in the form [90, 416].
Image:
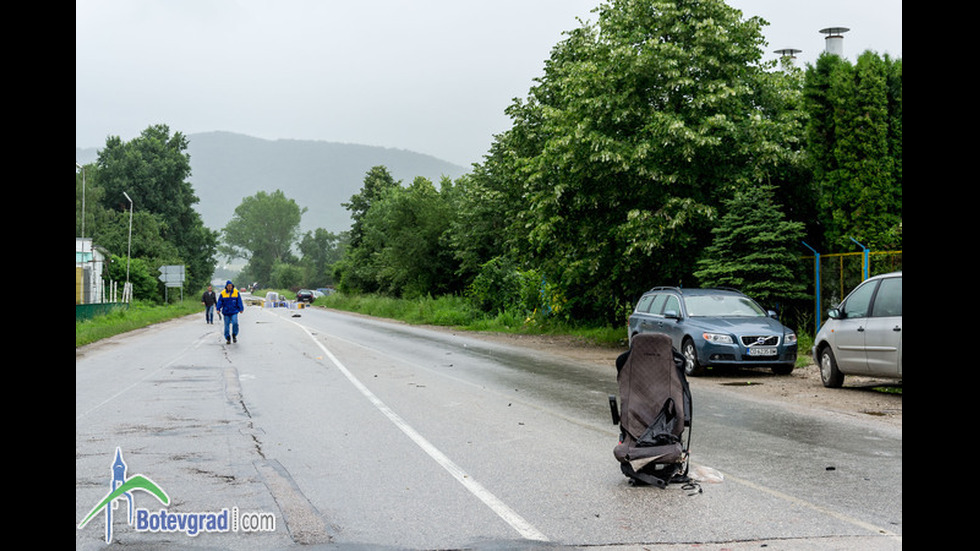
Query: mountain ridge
[226, 167]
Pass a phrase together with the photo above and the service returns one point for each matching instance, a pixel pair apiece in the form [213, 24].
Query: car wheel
[691, 365]
[782, 369]
[829, 373]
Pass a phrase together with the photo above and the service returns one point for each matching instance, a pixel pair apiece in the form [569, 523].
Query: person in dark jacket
[208, 299]
[229, 306]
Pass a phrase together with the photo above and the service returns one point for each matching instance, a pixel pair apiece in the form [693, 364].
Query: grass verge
[448, 311]
[454, 311]
[138, 315]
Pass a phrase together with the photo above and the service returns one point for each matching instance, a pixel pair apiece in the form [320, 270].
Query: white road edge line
[518, 523]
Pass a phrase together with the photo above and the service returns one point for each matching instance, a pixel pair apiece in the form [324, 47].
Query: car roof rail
[665, 288]
[681, 289]
[733, 289]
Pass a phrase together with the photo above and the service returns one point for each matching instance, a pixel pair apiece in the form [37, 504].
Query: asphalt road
[321, 430]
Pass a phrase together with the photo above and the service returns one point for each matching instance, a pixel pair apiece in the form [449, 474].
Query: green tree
[402, 248]
[855, 140]
[141, 242]
[320, 250]
[755, 249]
[152, 170]
[487, 224]
[377, 183]
[286, 276]
[416, 259]
[147, 242]
[641, 124]
[146, 286]
[263, 230]
[821, 130]
[501, 286]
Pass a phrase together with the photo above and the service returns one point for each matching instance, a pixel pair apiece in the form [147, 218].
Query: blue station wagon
[716, 328]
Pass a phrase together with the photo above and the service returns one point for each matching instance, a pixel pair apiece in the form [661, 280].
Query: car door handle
[897, 328]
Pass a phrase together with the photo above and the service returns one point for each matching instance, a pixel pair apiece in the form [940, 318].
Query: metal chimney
[834, 43]
[788, 54]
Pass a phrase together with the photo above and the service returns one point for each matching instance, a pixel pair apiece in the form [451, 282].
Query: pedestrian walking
[209, 300]
[229, 306]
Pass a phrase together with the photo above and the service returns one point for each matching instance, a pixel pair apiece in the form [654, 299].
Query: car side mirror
[773, 314]
[672, 314]
[835, 314]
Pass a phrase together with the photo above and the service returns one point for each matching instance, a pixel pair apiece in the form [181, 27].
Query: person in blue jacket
[230, 305]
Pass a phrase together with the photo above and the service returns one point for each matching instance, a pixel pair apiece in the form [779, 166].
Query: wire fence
[836, 274]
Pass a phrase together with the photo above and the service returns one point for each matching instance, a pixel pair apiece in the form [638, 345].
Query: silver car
[863, 335]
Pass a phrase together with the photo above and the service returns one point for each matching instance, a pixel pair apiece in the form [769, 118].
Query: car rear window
[654, 303]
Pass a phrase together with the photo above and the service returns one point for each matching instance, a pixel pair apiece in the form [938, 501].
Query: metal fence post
[816, 275]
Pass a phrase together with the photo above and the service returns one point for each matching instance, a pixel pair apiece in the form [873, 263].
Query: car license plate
[762, 351]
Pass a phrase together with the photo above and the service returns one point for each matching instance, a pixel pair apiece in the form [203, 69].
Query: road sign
[172, 276]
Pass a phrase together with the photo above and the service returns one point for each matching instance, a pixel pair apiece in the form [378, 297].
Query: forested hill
[319, 176]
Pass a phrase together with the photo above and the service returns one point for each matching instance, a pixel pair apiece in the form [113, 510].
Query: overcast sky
[431, 76]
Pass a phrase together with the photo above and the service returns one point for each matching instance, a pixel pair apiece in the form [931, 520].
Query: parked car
[716, 328]
[305, 295]
[863, 335]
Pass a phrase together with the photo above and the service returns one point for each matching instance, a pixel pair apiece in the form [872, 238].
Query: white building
[89, 261]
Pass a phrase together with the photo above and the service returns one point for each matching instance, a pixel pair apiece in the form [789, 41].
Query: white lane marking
[518, 523]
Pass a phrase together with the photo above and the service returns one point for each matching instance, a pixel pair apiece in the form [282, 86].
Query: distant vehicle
[716, 328]
[305, 295]
[325, 290]
[863, 335]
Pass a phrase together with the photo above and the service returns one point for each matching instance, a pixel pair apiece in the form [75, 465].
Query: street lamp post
[129, 247]
[83, 290]
[82, 168]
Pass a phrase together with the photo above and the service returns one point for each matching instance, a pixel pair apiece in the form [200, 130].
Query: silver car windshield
[718, 306]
